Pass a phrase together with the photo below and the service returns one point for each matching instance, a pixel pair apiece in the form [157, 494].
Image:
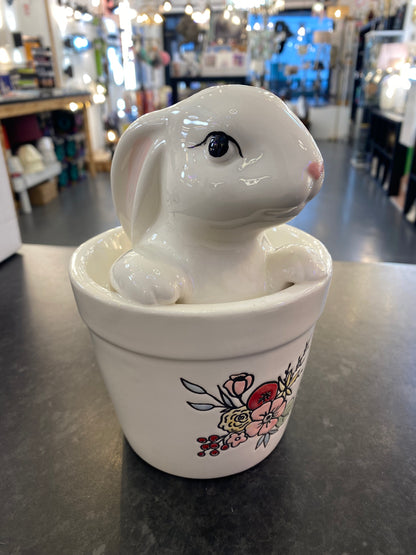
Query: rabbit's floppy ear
[136, 172]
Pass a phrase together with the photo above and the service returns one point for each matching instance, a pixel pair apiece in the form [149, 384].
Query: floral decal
[246, 411]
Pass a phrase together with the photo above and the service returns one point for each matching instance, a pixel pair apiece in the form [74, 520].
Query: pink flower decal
[265, 417]
[239, 383]
[235, 439]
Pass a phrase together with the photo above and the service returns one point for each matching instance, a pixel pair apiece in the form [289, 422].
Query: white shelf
[27, 180]
[51, 170]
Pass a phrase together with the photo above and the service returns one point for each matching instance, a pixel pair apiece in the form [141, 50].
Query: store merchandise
[46, 148]
[393, 92]
[30, 158]
[271, 196]
[44, 192]
[199, 240]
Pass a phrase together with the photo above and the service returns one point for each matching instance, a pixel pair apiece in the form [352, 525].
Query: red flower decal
[263, 394]
[239, 383]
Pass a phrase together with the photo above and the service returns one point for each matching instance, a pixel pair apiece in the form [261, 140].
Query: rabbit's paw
[140, 278]
[295, 264]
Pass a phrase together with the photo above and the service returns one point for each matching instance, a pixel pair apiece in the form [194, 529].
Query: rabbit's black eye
[218, 145]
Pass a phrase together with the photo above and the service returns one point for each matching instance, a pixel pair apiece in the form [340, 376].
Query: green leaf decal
[288, 408]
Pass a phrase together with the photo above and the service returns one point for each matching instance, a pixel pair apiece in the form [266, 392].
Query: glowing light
[77, 15]
[167, 6]
[87, 17]
[86, 78]
[142, 18]
[121, 114]
[201, 17]
[11, 20]
[98, 98]
[118, 74]
[69, 12]
[80, 43]
[95, 3]
[337, 13]
[318, 7]
[257, 26]
[100, 89]
[188, 9]
[111, 136]
[17, 56]
[270, 25]
[73, 106]
[110, 25]
[4, 56]
[301, 31]
[157, 18]
[121, 104]
[248, 28]
[226, 14]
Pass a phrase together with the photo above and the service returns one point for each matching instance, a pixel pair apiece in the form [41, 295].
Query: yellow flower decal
[235, 420]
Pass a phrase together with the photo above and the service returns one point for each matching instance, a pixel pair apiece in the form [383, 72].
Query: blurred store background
[75, 73]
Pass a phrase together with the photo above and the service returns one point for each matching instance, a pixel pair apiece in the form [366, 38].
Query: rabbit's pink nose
[315, 170]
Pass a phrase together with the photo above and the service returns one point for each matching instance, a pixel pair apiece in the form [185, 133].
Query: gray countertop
[342, 480]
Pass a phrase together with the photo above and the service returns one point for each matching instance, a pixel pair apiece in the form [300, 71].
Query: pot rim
[194, 331]
[81, 279]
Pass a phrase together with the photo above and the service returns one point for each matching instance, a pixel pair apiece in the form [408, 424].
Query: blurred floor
[351, 215]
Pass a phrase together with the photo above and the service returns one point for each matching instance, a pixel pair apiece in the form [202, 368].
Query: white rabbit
[196, 184]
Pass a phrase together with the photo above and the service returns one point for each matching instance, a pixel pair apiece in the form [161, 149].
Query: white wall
[9, 230]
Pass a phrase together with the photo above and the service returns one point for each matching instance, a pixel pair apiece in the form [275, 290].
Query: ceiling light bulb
[188, 9]
[157, 18]
[167, 6]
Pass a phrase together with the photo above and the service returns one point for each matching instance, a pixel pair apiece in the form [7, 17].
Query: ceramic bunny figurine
[196, 184]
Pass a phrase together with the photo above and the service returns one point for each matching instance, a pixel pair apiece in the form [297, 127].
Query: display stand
[385, 146]
[48, 101]
[45, 101]
[411, 188]
[23, 182]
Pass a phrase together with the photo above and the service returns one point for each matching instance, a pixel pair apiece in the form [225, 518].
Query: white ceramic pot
[200, 390]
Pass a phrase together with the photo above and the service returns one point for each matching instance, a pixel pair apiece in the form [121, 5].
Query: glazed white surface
[146, 352]
[196, 220]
